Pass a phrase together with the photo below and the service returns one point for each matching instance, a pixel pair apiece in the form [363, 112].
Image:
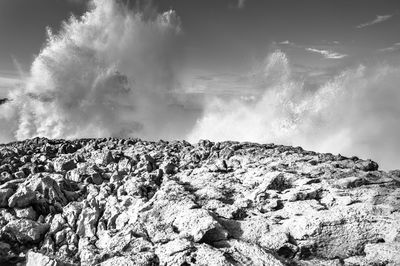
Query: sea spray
[355, 112]
[107, 73]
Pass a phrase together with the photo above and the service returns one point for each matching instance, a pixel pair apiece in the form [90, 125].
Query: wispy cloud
[7, 83]
[394, 47]
[326, 53]
[77, 1]
[241, 3]
[378, 19]
[285, 42]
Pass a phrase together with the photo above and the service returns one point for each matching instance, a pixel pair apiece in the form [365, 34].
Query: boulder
[22, 198]
[5, 177]
[36, 259]
[47, 186]
[87, 222]
[62, 164]
[71, 212]
[24, 231]
[199, 225]
[27, 213]
[5, 194]
[103, 158]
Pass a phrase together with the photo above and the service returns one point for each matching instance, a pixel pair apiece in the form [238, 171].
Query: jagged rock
[174, 252]
[27, 213]
[126, 164]
[103, 157]
[67, 148]
[5, 177]
[19, 174]
[367, 165]
[47, 187]
[71, 212]
[35, 259]
[4, 250]
[57, 223]
[85, 172]
[380, 253]
[133, 202]
[117, 260]
[87, 221]
[95, 178]
[208, 255]
[340, 232]
[244, 253]
[64, 164]
[5, 194]
[75, 175]
[169, 168]
[6, 216]
[199, 225]
[24, 231]
[22, 198]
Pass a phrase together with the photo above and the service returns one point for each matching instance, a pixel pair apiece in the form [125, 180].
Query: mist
[116, 71]
[353, 113]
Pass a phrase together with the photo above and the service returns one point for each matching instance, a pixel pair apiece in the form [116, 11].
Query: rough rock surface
[132, 202]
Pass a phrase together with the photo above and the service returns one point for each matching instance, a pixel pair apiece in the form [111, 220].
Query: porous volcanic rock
[132, 202]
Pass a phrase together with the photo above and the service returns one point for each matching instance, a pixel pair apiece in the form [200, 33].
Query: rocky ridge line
[133, 202]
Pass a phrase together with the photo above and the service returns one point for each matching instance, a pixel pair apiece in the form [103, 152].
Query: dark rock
[367, 165]
[279, 183]
[169, 168]
[64, 164]
[5, 194]
[5, 177]
[19, 174]
[67, 148]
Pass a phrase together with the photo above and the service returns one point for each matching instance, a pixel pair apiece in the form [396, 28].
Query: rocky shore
[133, 202]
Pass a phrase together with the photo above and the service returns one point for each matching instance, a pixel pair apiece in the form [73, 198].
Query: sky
[226, 36]
[322, 74]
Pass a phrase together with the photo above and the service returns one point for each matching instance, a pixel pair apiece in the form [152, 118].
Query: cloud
[326, 53]
[78, 2]
[241, 4]
[394, 47]
[378, 19]
[287, 42]
[8, 81]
